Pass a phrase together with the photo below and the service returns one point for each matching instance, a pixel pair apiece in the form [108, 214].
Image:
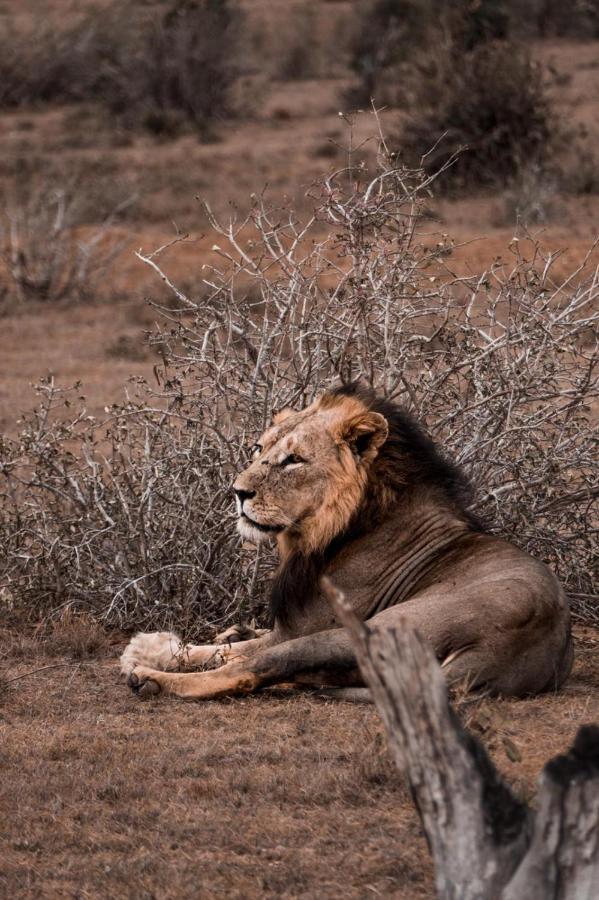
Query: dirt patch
[264, 796]
[271, 795]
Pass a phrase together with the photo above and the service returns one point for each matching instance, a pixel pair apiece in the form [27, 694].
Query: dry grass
[268, 795]
[76, 635]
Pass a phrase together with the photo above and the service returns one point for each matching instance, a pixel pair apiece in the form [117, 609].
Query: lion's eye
[255, 450]
[292, 460]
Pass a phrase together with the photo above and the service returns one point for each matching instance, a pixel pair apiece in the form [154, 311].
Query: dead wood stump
[486, 844]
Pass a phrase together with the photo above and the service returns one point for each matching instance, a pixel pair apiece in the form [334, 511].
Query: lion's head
[309, 472]
[323, 477]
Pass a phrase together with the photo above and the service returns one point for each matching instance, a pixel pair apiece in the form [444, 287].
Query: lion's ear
[365, 433]
[282, 414]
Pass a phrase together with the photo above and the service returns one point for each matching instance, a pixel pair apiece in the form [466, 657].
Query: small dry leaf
[511, 751]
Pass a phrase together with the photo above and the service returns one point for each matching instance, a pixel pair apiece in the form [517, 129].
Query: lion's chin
[249, 533]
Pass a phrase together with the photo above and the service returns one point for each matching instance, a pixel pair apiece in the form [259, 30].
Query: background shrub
[579, 19]
[182, 70]
[465, 83]
[161, 71]
[489, 103]
[394, 34]
[49, 64]
[301, 50]
[131, 518]
[46, 254]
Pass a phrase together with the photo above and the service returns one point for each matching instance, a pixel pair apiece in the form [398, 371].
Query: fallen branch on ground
[41, 669]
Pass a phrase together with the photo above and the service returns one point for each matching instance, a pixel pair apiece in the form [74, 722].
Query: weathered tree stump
[486, 844]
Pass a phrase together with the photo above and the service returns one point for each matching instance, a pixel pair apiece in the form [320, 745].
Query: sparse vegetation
[158, 70]
[45, 252]
[467, 86]
[132, 517]
[485, 109]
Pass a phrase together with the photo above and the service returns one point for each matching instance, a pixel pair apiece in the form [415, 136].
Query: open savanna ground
[103, 795]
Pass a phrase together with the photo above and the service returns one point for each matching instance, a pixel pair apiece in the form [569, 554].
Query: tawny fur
[352, 487]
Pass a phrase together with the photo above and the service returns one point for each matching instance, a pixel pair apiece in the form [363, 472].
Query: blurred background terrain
[117, 117]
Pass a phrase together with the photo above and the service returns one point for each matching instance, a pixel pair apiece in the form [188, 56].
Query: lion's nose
[244, 495]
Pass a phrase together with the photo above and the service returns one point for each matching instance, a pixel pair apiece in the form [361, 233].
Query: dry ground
[102, 795]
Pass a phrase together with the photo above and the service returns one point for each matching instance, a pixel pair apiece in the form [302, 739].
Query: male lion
[352, 488]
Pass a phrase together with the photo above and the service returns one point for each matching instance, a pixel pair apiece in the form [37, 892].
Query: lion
[352, 488]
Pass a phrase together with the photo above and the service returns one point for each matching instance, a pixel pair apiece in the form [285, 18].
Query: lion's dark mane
[408, 457]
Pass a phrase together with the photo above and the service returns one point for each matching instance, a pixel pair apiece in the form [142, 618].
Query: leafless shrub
[97, 188]
[136, 524]
[45, 254]
[132, 519]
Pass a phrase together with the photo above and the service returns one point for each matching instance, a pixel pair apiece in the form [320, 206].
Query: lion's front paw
[156, 650]
[141, 683]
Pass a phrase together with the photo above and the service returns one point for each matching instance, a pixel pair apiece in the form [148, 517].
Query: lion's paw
[141, 683]
[156, 650]
[237, 633]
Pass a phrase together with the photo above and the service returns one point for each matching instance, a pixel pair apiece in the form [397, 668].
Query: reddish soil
[103, 795]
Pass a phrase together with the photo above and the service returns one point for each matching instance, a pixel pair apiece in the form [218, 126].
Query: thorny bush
[132, 518]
